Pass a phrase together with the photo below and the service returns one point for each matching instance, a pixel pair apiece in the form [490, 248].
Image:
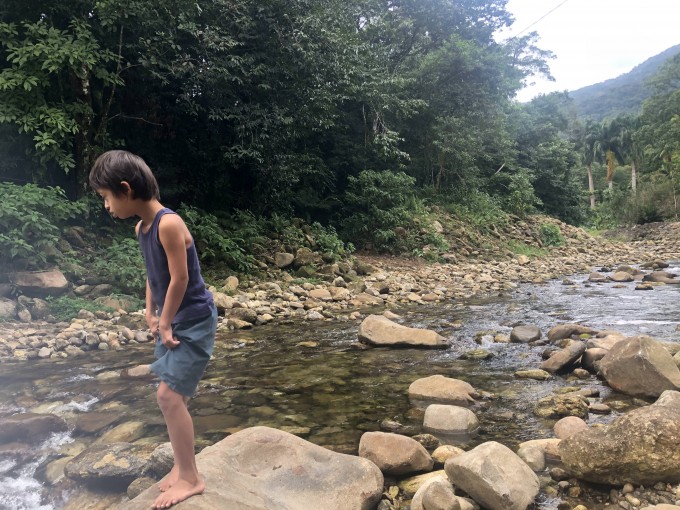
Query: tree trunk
[591, 186]
[633, 177]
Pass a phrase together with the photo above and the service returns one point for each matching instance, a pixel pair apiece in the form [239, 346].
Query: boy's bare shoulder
[137, 227]
[171, 224]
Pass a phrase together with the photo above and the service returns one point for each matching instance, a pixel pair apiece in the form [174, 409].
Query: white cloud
[595, 40]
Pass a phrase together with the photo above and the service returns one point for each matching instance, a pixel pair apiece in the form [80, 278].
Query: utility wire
[539, 19]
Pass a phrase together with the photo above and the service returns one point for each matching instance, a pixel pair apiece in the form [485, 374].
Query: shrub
[217, 244]
[377, 203]
[121, 264]
[31, 219]
[550, 235]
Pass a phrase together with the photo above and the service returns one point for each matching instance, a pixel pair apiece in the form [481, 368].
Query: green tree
[56, 82]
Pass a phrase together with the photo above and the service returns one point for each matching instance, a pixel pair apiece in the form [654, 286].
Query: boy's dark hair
[114, 167]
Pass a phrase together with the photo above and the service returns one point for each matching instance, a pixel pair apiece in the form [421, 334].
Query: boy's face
[117, 206]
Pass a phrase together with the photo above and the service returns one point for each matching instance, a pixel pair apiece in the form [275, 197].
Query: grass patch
[66, 308]
[524, 249]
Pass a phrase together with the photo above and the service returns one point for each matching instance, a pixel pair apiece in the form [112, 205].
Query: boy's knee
[166, 397]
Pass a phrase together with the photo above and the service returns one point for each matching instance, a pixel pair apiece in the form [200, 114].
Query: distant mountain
[624, 94]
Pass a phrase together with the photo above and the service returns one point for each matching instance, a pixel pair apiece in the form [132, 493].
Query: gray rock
[494, 476]
[394, 454]
[639, 447]
[640, 366]
[442, 390]
[450, 420]
[41, 284]
[8, 309]
[379, 330]
[525, 334]
[261, 468]
[111, 465]
[30, 426]
[565, 357]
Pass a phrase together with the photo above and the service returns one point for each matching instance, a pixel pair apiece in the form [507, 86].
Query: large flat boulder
[380, 331]
[262, 468]
[40, 284]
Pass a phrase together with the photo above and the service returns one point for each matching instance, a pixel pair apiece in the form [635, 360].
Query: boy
[179, 310]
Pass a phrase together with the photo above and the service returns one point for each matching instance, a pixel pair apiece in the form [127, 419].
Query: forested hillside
[355, 121]
[623, 94]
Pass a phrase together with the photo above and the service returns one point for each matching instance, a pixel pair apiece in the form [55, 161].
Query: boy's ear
[125, 187]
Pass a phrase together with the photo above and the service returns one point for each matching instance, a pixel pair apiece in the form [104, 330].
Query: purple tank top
[198, 301]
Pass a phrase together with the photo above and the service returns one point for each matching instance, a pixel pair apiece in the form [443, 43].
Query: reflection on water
[313, 380]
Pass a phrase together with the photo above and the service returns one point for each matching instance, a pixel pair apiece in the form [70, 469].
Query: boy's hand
[167, 338]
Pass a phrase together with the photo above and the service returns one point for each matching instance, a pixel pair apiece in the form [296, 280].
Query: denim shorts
[182, 367]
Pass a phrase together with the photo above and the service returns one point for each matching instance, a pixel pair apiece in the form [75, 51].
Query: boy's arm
[151, 318]
[171, 232]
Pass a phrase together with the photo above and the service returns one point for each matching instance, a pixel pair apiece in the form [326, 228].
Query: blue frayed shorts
[182, 367]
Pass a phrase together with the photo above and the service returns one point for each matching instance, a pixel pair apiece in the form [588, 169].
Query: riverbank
[344, 291]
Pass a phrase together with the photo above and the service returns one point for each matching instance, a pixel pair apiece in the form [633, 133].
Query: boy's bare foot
[179, 491]
[169, 480]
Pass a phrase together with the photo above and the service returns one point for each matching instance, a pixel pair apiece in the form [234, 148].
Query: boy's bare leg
[181, 432]
[168, 480]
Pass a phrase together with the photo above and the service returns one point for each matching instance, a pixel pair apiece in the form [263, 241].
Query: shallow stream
[311, 378]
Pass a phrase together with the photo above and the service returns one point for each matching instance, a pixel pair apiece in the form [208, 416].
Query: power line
[539, 19]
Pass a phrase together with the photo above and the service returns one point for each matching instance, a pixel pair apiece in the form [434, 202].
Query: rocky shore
[337, 291]
[635, 454]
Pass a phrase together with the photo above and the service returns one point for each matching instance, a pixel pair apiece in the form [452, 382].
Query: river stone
[562, 331]
[243, 314]
[565, 357]
[597, 277]
[283, 260]
[494, 476]
[444, 452]
[84, 499]
[305, 257]
[123, 433]
[435, 494]
[568, 426]
[109, 465]
[525, 334]
[591, 359]
[261, 468]
[448, 419]
[379, 330]
[640, 447]
[30, 426]
[539, 375]
[40, 284]
[660, 276]
[533, 456]
[442, 390]
[548, 446]
[394, 454]
[621, 276]
[605, 342]
[558, 406]
[640, 366]
[8, 309]
[93, 422]
[409, 486]
[38, 308]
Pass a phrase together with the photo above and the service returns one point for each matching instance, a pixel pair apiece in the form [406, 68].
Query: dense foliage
[351, 115]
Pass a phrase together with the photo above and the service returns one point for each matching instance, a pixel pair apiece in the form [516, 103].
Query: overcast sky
[595, 40]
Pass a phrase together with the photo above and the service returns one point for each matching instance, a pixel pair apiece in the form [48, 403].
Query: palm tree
[591, 153]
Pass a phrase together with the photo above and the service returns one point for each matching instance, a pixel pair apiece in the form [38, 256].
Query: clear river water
[309, 378]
